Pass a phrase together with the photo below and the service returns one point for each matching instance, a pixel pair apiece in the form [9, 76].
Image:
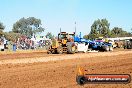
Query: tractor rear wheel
[111, 48]
[107, 48]
[49, 52]
[71, 49]
[59, 50]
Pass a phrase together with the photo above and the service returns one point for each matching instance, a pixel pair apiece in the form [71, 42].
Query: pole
[60, 30]
[60, 34]
[75, 27]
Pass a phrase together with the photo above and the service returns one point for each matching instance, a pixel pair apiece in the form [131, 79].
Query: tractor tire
[110, 48]
[49, 52]
[59, 50]
[53, 51]
[129, 46]
[107, 48]
[80, 80]
[71, 50]
[124, 47]
[2, 49]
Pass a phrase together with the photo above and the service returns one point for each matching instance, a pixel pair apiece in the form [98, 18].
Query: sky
[56, 14]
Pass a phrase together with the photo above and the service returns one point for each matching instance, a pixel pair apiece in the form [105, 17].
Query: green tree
[119, 32]
[95, 28]
[100, 28]
[86, 36]
[116, 31]
[11, 36]
[28, 26]
[2, 27]
[49, 35]
[104, 26]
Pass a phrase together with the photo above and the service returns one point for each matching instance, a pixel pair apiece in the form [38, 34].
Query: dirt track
[62, 73]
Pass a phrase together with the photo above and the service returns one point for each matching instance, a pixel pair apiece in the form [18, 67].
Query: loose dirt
[59, 71]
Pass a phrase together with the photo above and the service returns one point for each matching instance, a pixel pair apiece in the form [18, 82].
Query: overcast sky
[63, 13]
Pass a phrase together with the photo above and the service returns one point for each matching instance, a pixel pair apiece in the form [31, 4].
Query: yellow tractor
[64, 44]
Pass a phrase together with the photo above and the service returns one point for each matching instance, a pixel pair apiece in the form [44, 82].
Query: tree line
[25, 26]
[31, 26]
[101, 28]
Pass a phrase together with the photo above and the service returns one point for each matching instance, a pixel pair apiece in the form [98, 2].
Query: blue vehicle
[81, 43]
[100, 45]
[80, 39]
[97, 44]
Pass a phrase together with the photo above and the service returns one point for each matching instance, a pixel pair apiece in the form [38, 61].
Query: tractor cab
[66, 37]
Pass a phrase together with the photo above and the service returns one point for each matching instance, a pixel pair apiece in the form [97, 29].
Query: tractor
[64, 44]
[128, 44]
